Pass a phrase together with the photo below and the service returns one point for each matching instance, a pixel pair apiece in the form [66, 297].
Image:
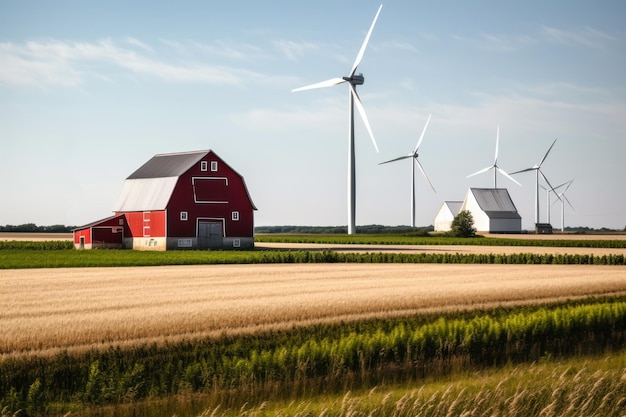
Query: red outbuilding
[191, 200]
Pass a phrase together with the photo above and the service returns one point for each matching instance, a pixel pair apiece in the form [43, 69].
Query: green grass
[395, 239]
[316, 360]
[64, 258]
[591, 385]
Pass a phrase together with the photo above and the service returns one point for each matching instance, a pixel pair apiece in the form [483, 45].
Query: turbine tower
[495, 166]
[353, 80]
[537, 169]
[564, 198]
[548, 191]
[413, 155]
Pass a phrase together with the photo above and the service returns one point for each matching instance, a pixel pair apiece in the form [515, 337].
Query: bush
[463, 225]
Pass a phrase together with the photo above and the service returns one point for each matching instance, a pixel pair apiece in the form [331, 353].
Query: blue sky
[89, 92]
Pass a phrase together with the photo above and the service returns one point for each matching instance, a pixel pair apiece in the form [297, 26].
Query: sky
[89, 91]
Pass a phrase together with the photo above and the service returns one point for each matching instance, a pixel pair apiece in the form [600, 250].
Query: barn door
[210, 235]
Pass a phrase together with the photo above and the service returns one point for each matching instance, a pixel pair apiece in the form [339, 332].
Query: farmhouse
[445, 215]
[191, 200]
[493, 210]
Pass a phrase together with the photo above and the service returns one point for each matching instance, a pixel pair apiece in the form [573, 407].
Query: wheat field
[45, 311]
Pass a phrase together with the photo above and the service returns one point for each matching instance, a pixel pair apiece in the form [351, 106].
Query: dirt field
[45, 310]
[35, 236]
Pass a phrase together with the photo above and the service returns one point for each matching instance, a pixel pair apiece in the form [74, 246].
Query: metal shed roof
[454, 206]
[168, 165]
[493, 200]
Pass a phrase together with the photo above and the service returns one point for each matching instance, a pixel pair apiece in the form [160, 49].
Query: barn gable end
[446, 214]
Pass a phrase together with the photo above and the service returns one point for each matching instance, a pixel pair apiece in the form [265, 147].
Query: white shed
[493, 210]
[445, 215]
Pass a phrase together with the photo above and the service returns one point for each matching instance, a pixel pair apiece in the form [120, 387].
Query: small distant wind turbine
[495, 166]
[548, 191]
[537, 169]
[353, 80]
[413, 155]
[564, 198]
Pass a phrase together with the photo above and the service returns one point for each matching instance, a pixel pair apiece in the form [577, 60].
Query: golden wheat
[50, 309]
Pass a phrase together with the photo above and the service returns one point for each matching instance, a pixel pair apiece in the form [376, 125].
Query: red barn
[177, 201]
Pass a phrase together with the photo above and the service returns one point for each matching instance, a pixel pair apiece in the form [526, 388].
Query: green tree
[463, 224]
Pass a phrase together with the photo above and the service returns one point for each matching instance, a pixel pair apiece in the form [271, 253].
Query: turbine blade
[396, 159]
[495, 159]
[546, 155]
[550, 185]
[559, 186]
[424, 174]
[568, 185]
[359, 56]
[568, 202]
[327, 83]
[523, 170]
[419, 142]
[359, 106]
[479, 172]
[507, 175]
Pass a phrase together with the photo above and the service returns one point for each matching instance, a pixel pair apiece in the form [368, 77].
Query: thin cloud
[136, 42]
[587, 37]
[54, 62]
[293, 50]
[498, 42]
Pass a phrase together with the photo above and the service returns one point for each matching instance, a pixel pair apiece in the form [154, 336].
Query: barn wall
[506, 225]
[443, 219]
[228, 194]
[481, 220]
[86, 234]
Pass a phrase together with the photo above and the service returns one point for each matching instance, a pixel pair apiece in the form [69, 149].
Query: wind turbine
[537, 169]
[353, 80]
[548, 191]
[564, 198]
[413, 155]
[495, 166]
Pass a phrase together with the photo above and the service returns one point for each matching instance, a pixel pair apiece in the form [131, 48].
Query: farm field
[46, 310]
[208, 338]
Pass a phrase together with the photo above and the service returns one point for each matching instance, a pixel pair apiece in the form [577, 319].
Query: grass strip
[19, 259]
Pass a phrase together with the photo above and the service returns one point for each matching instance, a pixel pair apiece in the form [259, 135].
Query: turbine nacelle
[356, 79]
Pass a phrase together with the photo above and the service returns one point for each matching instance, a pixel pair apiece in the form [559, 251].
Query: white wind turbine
[413, 155]
[548, 191]
[537, 169]
[495, 166]
[563, 199]
[353, 80]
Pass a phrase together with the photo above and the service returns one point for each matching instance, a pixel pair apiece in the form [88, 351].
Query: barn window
[183, 216]
[236, 243]
[235, 215]
[214, 166]
[203, 166]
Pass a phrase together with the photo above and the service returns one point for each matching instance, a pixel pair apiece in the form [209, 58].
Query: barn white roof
[150, 187]
[145, 194]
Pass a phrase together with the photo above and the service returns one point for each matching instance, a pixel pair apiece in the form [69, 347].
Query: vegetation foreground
[235, 371]
[535, 359]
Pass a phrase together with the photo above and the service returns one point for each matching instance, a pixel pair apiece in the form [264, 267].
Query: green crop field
[120, 341]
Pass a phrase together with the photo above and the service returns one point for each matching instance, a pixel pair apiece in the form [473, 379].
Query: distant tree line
[367, 229]
[585, 229]
[33, 228]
